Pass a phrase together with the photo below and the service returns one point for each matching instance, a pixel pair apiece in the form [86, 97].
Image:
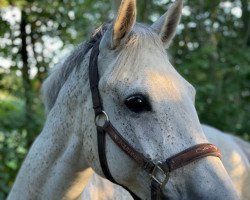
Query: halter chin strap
[158, 172]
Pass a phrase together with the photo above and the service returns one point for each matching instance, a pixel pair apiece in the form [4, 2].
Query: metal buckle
[160, 176]
[101, 119]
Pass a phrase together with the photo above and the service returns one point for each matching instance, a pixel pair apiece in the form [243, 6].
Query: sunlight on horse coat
[132, 61]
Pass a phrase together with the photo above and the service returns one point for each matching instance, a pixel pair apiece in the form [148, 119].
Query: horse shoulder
[234, 158]
[245, 146]
[99, 188]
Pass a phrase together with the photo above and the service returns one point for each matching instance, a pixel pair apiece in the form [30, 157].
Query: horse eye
[137, 103]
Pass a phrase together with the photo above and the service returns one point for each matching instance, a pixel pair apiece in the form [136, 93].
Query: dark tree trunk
[143, 11]
[246, 21]
[25, 74]
[40, 74]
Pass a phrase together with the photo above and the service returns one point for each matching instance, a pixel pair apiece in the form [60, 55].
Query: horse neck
[55, 166]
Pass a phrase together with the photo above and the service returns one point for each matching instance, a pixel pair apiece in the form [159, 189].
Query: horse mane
[59, 75]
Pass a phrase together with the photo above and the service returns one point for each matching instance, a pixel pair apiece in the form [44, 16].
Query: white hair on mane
[51, 87]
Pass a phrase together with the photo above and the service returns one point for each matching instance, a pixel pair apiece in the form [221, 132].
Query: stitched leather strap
[190, 155]
[155, 190]
[127, 148]
[94, 79]
[172, 163]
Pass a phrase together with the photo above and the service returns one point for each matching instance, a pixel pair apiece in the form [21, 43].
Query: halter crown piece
[159, 172]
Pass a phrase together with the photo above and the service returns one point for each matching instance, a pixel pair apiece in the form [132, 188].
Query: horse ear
[124, 21]
[122, 25]
[166, 25]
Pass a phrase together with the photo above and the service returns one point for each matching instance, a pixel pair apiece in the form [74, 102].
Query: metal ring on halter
[101, 119]
[159, 175]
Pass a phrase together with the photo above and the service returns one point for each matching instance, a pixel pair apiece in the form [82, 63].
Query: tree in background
[211, 51]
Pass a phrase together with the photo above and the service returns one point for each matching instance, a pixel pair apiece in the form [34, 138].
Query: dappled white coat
[235, 157]
[132, 61]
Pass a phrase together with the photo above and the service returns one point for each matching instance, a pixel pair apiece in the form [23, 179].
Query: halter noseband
[159, 172]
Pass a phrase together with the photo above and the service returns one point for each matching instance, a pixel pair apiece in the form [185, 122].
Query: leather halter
[159, 172]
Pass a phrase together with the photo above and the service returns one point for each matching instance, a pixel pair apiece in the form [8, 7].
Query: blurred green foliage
[211, 50]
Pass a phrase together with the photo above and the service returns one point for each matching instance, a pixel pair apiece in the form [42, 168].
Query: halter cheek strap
[97, 106]
[158, 172]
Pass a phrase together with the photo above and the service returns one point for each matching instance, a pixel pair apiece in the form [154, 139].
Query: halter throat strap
[159, 172]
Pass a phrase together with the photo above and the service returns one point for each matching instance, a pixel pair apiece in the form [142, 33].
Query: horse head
[152, 106]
